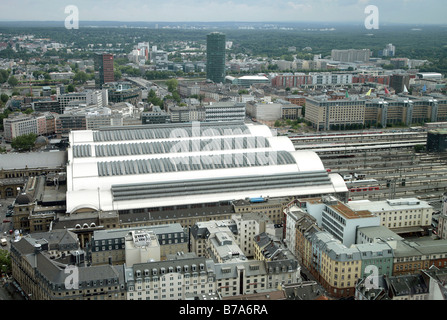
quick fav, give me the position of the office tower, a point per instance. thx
(215, 57)
(104, 67)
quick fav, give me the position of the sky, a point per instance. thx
(389, 11)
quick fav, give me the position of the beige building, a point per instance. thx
(325, 114)
(399, 215)
(141, 246)
(272, 208)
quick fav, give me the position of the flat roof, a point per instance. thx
(389, 205)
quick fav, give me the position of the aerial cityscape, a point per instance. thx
(250, 152)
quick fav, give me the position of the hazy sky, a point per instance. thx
(390, 11)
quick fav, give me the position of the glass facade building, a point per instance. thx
(215, 57)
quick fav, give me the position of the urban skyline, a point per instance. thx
(402, 11)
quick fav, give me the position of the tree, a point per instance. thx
(4, 97)
(117, 75)
(278, 124)
(172, 85)
(80, 77)
(24, 142)
(5, 261)
(70, 88)
(12, 81)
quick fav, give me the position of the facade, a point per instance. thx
(291, 80)
(247, 81)
(88, 98)
(155, 116)
(331, 79)
(111, 243)
(172, 279)
(47, 106)
(16, 168)
(202, 231)
(338, 218)
(442, 220)
(215, 57)
(187, 114)
(325, 114)
(225, 111)
(265, 111)
(399, 215)
(39, 263)
(15, 126)
(104, 67)
(351, 55)
(437, 140)
(118, 92)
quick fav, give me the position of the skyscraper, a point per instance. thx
(215, 57)
(104, 67)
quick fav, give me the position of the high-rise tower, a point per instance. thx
(215, 57)
(104, 67)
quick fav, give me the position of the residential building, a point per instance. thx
(155, 116)
(351, 55)
(18, 125)
(225, 111)
(289, 80)
(171, 279)
(399, 215)
(338, 218)
(201, 232)
(248, 226)
(247, 81)
(141, 246)
(441, 231)
(325, 114)
(40, 264)
(187, 114)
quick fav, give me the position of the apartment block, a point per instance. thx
(39, 266)
(337, 218)
(399, 215)
(325, 114)
(111, 243)
(171, 279)
(225, 111)
(15, 126)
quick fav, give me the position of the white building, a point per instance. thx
(248, 226)
(15, 126)
(181, 164)
(398, 215)
(292, 214)
(225, 111)
(141, 246)
(338, 219)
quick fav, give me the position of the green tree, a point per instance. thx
(12, 81)
(70, 88)
(24, 142)
(278, 124)
(4, 97)
(80, 77)
(4, 75)
(172, 85)
(5, 261)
